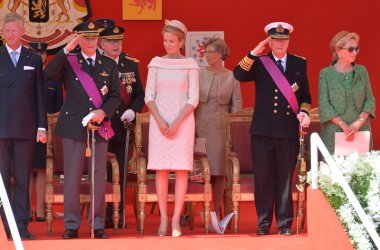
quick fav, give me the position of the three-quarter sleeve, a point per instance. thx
(150, 90)
(369, 102)
(236, 102)
(193, 91)
(325, 108)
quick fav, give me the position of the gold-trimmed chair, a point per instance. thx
(197, 191)
(54, 184)
(240, 179)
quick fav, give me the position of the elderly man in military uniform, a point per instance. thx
(282, 104)
(92, 96)
(104, 24)
(132, 101)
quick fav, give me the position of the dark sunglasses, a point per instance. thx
(351, 49)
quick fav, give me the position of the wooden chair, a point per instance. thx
(54, 185)
(197, 191)
(240, 179)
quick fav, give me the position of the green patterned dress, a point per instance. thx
(345, 95)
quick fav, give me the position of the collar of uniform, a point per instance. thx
(10, 50)
(284, 59)
(86, 56)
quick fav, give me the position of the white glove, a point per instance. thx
(87, 118)
(128, 115)
(304, 119)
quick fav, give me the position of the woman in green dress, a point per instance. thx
(345, 100)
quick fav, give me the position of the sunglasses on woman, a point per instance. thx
(351, 49)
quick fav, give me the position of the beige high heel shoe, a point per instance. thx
(176, 230)
(162, 233)
(162, 230)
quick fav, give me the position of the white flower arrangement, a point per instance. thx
(362, 173)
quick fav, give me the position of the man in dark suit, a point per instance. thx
(281, 108)
(92, 95)
(132, 101)
(22, 116)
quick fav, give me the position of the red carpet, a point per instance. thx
(129, 238)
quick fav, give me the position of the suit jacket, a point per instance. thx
(273, 116)
(228, 88)
(77, 103)
(54, 96)
(22, 95)
(129, 67)
(331, 102)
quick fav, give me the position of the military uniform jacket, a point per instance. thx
(54, 96)
(273, 116)
(77, 103)
(128, 70)
(22, 95)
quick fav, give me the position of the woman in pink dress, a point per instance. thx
(172, 94)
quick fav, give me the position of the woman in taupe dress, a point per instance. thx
(219, 93)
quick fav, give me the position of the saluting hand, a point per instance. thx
(73, 43)
(260, 47)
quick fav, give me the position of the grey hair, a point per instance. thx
(219, 44)
(13, 17)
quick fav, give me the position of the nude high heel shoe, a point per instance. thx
(176, 230)
(163, 229)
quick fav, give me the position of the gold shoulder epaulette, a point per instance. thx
(300, 57)
(132, 59)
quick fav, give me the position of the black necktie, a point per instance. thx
(279, 64)
(90, 64)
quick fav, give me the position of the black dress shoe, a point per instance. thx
(285, 231)
(262, 232)
(25, 235)
(100, 234)
(70, 234)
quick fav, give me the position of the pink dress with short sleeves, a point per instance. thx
(172, 83)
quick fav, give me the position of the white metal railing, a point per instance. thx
(315, 144)
(10, 217)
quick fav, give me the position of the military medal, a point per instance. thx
(127, 78)
(104, 90)
(295, 87)
(104, 74)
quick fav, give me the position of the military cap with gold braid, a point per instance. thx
(39, 47)
(90, 28)
(105, 23)
(279, 30)
(113, 33)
